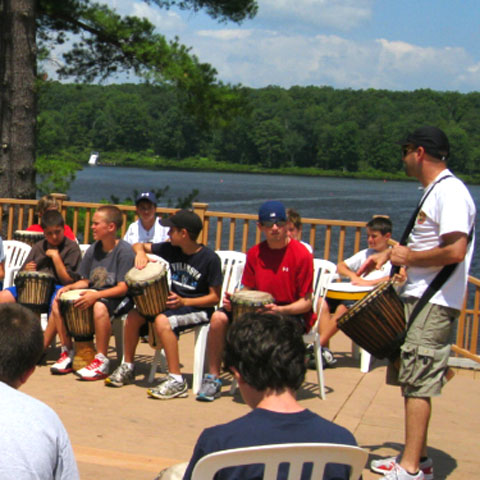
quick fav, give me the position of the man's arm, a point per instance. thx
(141, 250)
(299, 307)
(452, 249)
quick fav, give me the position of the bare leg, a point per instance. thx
(103, 328)
(49, 333)
(216, 341)
(130, 334)
(170, 343)
(59, 325)
(6, 297)
(417, 417)
(327, 325)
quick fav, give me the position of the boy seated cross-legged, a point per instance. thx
(196, 283)
(56, 255)
(102, 269)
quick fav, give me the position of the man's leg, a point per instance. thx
(417, 418)
(216, 341)
(170, 343)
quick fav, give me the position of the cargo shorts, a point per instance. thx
(425, 352)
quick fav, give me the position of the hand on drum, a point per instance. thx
(227, 304)
(31, 267)
(86, 299)
(174, 301)
(141, 260)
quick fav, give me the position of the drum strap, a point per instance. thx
(442, 276)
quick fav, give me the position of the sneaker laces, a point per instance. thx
(96, 363)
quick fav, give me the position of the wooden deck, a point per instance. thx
(123, 434)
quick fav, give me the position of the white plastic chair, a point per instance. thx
(296, 454)
(232, 269)
(15, 255)
(83, 247)
(323, 273)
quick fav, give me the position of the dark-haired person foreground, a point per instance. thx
(33, 441)
(266, 354)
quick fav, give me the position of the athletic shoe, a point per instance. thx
(97, 370)
(327, 357)
(385, 465)
(210, 389)
(399, 473)
(123, 375)
(63, 365)
(169, 388)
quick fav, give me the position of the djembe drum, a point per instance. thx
(34, 290)
(80, 325)
(30, 238)
(148, 288)
(377, 322)
(246, 301)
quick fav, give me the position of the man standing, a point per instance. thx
(441, 235)
(34, 443)
(280, 266)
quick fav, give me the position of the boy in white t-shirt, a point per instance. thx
(379, 232)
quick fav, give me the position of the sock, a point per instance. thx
(176, 377)
(129, 365)
(102, 357)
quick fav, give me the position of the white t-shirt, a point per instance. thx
(136, 233)
(34, 444)
(448, 208)
(357, 260)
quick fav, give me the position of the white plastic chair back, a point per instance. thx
(324, 272)
(232, 269)
(15, 255)
(83, 247)
(296, 454)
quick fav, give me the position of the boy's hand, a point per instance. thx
(141, 260)
(31, 267)
(52, 253)
(227, 304)
(86, 299)
(174, 301)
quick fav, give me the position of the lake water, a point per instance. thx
(315, 197)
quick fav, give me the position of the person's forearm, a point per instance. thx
(299, 307)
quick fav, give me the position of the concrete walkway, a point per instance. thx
(123, 434)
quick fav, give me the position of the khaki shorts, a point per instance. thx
(424, 355)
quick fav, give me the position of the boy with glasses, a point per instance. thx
(280, 266)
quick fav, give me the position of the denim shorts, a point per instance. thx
(425, 352)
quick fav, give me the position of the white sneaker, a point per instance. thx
(385, 465)
(64, 364)
(399, 473)
(97, 370)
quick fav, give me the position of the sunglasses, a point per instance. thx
(271, 223)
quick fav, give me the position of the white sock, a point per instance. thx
(102, 357)
(129, 365)
(178, 378)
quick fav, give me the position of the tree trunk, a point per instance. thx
(17, 98)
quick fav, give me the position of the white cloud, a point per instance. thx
(259, 57)
(339, 14)
(166, 21)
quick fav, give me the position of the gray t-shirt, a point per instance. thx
(106, 270)
(34, 444)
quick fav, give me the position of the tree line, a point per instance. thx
(272, 127)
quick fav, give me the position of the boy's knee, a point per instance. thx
(219, 319)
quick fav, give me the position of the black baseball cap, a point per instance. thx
(186, 219)
(432, 139)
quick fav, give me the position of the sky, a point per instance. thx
(356, 44)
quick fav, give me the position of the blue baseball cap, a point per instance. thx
(148, 196)
(272, 210)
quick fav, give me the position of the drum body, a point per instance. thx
(377, 322)
(148, 288)
(246, 301)
(34, 290)
(80, 325)
(25, 236)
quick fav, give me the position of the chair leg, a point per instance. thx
(319, 364)
(158, 358)
(233, 387)
(364, 361)
(201, 335)
(118, 323)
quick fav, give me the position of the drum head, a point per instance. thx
(74, 294)
(152, 271)
(28, 274)
(252, 297)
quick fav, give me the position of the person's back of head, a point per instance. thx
(112, 215)
(52, 218)
(47, 202)
(21, 342)
(380, 224)
(268, 351)
(294, 217)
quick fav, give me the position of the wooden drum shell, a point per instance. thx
(246, 301)
(34, 290)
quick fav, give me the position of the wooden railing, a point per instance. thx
(331, 239)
